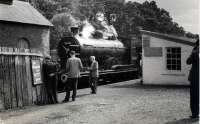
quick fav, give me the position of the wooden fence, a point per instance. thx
(16, 78)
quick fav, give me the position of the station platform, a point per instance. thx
(119, 103)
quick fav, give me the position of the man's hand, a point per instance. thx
(51, 75)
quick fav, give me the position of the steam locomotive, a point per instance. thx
(117, 59)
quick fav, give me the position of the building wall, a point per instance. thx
(154, 67)
(38, 36)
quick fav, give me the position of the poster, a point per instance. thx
(36, 69)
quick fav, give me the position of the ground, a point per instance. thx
(120, 103)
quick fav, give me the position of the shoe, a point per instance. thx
(194, 116)
(93, 92)
(73, 99)
(55, 102)
(65, 100)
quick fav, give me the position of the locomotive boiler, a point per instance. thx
(112, 55)
(107, 52)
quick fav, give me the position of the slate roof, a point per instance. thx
(168, 37)
(22, 12)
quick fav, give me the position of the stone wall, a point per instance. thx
(38, 36)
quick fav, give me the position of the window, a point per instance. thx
(173, 58)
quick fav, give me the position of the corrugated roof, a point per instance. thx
(173, 38)
(22, 12)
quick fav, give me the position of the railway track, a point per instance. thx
(105, 77)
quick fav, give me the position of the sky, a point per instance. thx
(184, 12)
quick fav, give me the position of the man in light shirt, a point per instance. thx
(73, 67)
(94, 74)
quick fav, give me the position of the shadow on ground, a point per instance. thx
(82, 95)
(184, 121)
(148, 86)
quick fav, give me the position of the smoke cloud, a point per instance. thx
(98, 28)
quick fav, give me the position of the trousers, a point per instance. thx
(194, 99)
(93, 84)
(52, 90)
(71, 85)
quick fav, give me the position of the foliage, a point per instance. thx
(88, 9)
(131, 16)
(58, 12)
(46, 7)
(62, 23)
(191, 35)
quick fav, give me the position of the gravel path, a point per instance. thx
(120, 103)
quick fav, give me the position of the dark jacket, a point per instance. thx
(49, 70)
(194, 60)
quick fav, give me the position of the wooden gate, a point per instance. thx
(16, 78)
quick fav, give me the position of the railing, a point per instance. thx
(18, 51)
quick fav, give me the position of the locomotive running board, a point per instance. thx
(108, 72)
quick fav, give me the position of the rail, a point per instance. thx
(83, 74)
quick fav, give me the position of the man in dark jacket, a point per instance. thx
(194, 80)
(50, 79)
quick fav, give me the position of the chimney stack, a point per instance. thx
(74, 30)
(9, 2)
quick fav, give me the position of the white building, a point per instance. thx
(164, 58)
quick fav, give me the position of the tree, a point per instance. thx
(191, 35)
(147, 15)
(130, 16)
(62, 23)
(48, 8)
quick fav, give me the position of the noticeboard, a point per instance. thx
(36, 69)
(153, 52)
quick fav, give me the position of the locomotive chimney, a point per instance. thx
(9, 2)
(74, 30)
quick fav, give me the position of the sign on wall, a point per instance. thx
(36, 68)
(153, 52)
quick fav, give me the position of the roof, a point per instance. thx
(22, 12)
(168, 37)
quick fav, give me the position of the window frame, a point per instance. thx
(176, 59)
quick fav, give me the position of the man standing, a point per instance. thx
(138, 63)
(50, 78)
(73, 67)
(194, 80)
(94, 74)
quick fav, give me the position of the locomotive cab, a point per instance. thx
(65, 45)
